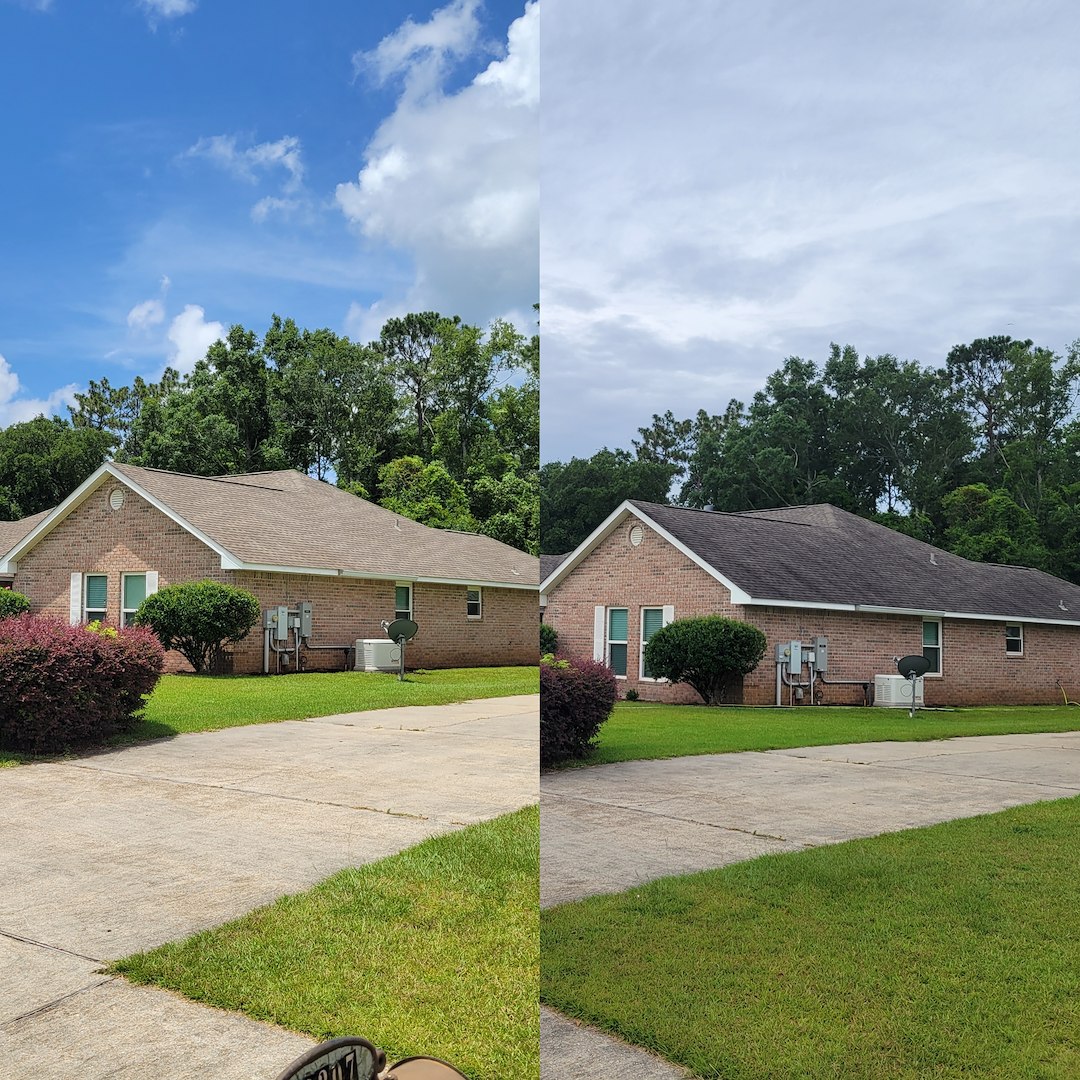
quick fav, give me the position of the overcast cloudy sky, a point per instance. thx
(172, 167)
(726, 185)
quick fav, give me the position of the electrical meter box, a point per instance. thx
(821, 653)
(281, 623)
(795, 659)
(305, 619)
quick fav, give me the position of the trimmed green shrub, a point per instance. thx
(549, 640)
(710, 653)
(13, 603)
(198, 618)
(66, 686)
(576, 697)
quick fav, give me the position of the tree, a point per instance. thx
(199, 618)
(711, 653)
(575, 497)
(425, 493)
(990, 526)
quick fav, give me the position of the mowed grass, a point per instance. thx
(952, 951)
(637, 730)
(186, 703)
(432, 951)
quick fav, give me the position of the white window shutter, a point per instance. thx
(669, 613)
(76, 598)
(151, 582)
(598, 633)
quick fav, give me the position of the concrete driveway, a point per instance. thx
(119, 852)
(611, 827)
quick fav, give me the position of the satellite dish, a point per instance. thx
(349, 1057)
(912, 666)
(401, 628)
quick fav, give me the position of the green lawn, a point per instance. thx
(183, 703)
(637, 730)
(952, 951)
(431, 951)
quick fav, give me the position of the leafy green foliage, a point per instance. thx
(711, 653)
(549, 639)
(577, 496)
(198, 618)
(13, 603)
(425, 493)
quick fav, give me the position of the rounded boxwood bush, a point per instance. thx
(549, 640)
(13, 603)
(711, 653)
(198, 618)
(576, 697)
(64, 686)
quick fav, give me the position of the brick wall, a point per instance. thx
(975, 666)
(138, 537)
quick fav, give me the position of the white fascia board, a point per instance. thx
(362, 575)
(925, 613)
(585, 547)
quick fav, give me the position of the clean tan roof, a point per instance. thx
(11, 532)
(287, 519)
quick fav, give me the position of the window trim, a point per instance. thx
(609, 640)
(397, 611)
(642, 643)
(940, 646)
(479, 601)
(1014, 654)
(100, 614)
(124, 611)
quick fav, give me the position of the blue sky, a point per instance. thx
(173, 167)
(725, 185)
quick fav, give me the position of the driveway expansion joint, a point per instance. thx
(52, 948)
(50, 1005)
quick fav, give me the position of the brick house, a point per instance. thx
(286, 538)
(992, 634)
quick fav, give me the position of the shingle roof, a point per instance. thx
(11, 532)
(824, 555)
(289, 520)
(549, 564)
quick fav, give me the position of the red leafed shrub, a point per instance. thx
(64, 686)
(576, 697)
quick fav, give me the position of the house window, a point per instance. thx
(134, 593)
(1014, 640)
(652, 619)
(402, 601)
(95, 596)
(617, 623)
(473, 603)
(931, 644)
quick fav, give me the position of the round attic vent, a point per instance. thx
(637, 534)
(116, 498)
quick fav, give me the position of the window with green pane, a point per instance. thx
(617, 627)
(652, 619)
(403, 602)
(931, 648)
(134, 593)
(96, 593)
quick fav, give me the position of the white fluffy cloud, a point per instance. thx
(254, 163)
(146, 315)
(15, 409)
(452, 179)
(190, 335)
(167, 9)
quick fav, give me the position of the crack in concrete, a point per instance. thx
(252, 791)
(52, 948)
(669, 817)
(41, 1009)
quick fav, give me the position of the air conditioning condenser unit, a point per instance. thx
(894, 691)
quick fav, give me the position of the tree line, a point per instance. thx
(437, 420)
(978, 456)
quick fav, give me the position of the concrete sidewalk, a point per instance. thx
(611, 827)
(122, 851)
